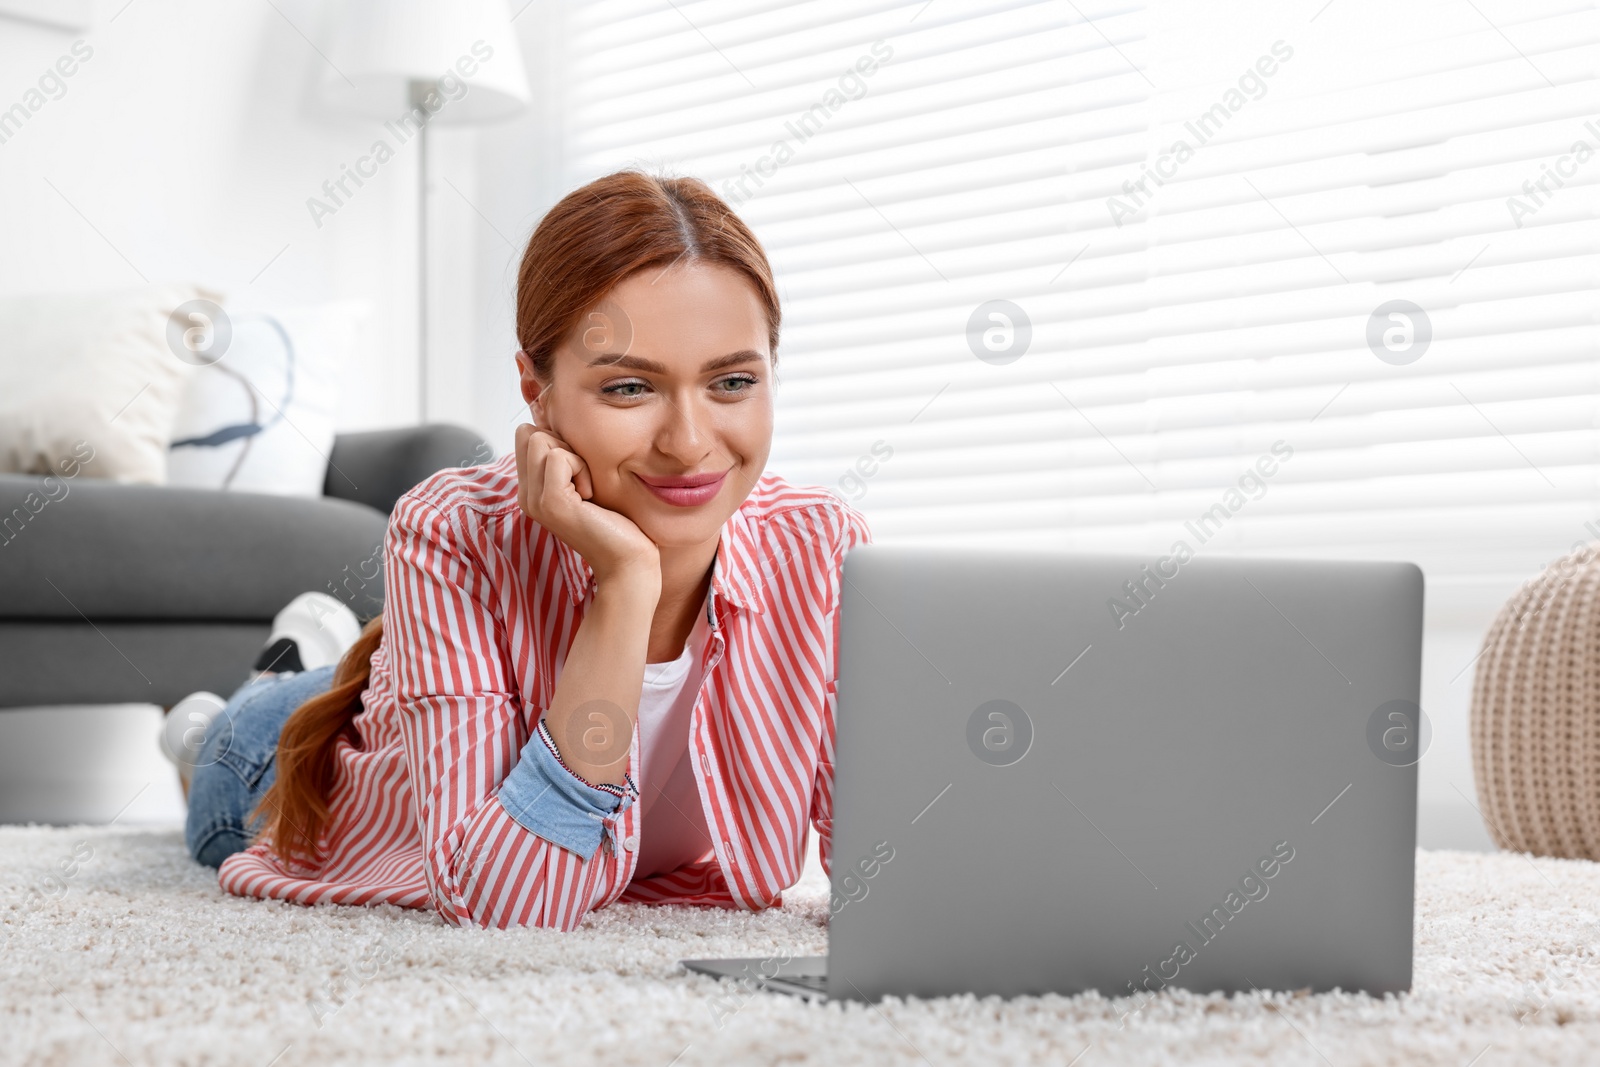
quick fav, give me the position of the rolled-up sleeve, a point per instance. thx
(548, 798)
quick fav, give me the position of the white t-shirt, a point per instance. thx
(672, 825)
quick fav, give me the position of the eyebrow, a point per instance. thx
(610, 359)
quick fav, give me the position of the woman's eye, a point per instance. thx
(741, 383)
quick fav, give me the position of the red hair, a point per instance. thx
(587, 244)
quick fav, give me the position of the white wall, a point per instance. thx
(191, 140)
(1447, 805)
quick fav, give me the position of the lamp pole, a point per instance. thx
(421, 89)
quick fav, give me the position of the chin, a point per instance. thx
(685, 529)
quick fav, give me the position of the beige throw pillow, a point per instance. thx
(92, 373)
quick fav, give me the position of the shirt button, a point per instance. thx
(631, 843)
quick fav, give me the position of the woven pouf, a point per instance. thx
(1536, 713)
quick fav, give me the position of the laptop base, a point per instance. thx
(800, 976)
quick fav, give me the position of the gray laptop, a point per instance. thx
(1059, 772)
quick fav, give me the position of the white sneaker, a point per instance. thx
(186, 728)
(312, 631)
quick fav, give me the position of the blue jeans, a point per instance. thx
(238, 761)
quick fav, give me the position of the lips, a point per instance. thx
(684, 481)
(686, 490)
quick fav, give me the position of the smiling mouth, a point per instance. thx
(684, 481)
(687, 490)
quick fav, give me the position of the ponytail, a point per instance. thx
(294, 810)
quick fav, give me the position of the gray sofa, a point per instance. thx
(116, 593)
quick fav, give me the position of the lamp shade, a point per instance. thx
(380, 47)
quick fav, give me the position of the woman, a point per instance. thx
(605, 665)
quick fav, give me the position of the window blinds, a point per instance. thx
(1079, 275)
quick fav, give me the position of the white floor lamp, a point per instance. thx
(414, 63)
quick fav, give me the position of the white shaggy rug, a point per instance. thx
(116, 949)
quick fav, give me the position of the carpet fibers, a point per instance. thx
(115, 948)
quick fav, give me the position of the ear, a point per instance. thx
(532, 390)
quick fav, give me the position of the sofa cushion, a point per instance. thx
(76, 548)
(93, 377)
(260, 417)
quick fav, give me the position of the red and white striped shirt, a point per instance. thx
(481, 605)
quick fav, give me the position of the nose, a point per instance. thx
(683, 433)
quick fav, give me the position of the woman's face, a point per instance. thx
(668, 378)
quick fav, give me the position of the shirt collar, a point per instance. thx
(735, 573)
